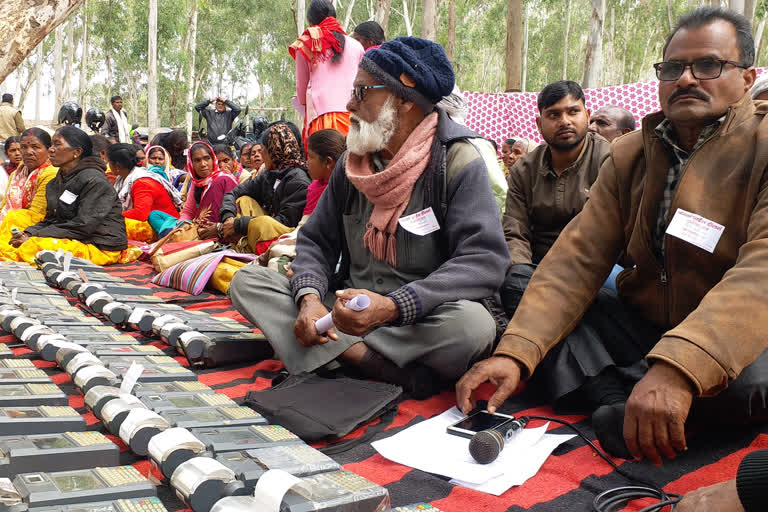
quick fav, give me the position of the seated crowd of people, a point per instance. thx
(616, 270)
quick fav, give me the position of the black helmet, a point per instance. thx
(70, 113)
(94, 118)
(259, 124)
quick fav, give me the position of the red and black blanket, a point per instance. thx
(568, 480)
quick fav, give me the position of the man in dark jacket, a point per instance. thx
(219, 120)
(411, 210)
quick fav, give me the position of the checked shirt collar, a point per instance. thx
(666, 133)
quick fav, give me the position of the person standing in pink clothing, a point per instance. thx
(326, 65)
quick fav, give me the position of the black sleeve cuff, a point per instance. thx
(408, 303)
(307, 280)
(241, 225)
(752, 481)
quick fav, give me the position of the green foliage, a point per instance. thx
(245, 42)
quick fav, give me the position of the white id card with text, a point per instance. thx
(420, 223)
(695, 229)
(68, 197)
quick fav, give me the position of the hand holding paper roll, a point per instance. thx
(381, 310)
(357, 303)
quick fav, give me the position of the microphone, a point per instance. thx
(356, 303)
(486, 445)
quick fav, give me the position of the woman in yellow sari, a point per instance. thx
(83, 214)
(24, 203)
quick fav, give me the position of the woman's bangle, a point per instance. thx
(219, 230)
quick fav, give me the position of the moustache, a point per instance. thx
(565, 130)
(688, 92)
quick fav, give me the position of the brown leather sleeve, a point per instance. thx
(569, 276)
(516, 224)
(726, 332)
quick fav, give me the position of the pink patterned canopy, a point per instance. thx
(501, 116)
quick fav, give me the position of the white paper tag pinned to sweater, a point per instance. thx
(68, 197)
(695, 229)
(420, 223)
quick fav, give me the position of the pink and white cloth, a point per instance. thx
(504, 115)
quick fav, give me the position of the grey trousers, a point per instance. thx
(448, 340)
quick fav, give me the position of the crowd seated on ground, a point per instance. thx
(141, 192)
(270, 204)
(83, 214)
(25, 200)
(587, 283)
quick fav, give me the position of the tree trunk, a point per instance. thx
(749, 9)
(451, 30)
(759, 39)
(428, 15)
(27, 26)
(108, 66)
(348, 16)
(737, 5)
(407, 19)
(83, 83)
(670, 19)
(524, 78)
(514, 45)
(192, 49)
(609, 52)
(594, 51)
(38, 82)
(57, 64)
(301, 15)
(565, 38)
(152, 67)
(70, 58)
(382, 12)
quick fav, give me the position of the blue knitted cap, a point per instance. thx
(422, 60)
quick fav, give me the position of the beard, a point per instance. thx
(365, 137)
(568, 145)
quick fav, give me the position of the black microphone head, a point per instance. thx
(485, 446)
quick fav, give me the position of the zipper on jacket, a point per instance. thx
(664, 265)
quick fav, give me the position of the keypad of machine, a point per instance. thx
(51, 411)
(88, 438)
(239, 413)
(141, 505)
(216, 399)
(275, 432)
(121, 475)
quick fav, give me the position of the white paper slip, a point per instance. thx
(271, 488)
(428, 447)
(420, 223)
(533, 457)
(68, 197)
(695, 229)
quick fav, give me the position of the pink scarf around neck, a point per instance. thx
(390, 190)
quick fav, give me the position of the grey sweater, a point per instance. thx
(466, 258)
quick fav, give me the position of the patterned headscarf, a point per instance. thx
(202, 182)
(165, 169)
(283, 148)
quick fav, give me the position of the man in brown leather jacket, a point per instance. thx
(685, 202)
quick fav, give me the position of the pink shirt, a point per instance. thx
(330, 83)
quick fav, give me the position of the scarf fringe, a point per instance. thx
(382, 245)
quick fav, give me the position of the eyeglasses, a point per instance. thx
(359, 92)
(701, 69)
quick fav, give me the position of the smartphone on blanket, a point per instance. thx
(477, 422)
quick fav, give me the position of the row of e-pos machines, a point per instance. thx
(215, 455)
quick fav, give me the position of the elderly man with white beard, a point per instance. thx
(408, 219)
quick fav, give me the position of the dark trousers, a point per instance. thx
(611, 335)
